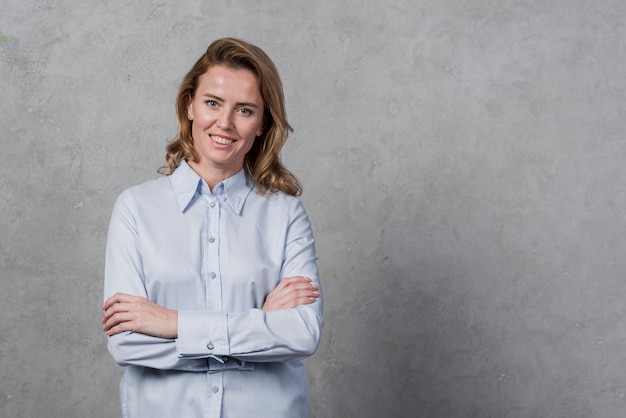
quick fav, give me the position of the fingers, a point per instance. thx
(290, 293)
(119, 302)
(117, 323)
(293, 302)
(295, 290)
(123, 312)
(298, 293)
(121, 327)
(119, 298)
(296, 283)
(117, 313)
(286, 281)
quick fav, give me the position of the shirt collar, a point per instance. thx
(187, 185)
(236, 189)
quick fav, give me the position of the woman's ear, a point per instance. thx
(190, 111)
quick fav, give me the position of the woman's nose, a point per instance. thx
(224, 121)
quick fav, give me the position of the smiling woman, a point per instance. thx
(227, 116)
(212, 296)
(262, 162)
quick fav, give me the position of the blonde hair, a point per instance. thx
(262, 163)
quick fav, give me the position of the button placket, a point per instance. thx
(215, 384)
(213, 284)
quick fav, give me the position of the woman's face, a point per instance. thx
(227, 115)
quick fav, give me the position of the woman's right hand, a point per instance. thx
(291, 292)
(123, 312)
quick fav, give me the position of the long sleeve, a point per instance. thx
(124, 272)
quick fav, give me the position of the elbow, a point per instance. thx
(131, 348)
(306, 346)
(311, 348)
(310, 340)
(313, 342)
(117, 350)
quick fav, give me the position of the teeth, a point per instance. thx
(221, 140)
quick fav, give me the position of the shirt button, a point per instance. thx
(211, 239)
(212, 275)
(212, 204)
(225, 359)
(210, 346)
(215, 389)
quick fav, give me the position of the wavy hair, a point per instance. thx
(262, 163)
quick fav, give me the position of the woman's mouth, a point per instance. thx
(220, 140)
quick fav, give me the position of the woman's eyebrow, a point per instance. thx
(219, 99)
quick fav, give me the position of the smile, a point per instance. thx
(220, 140)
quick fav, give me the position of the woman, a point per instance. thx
(212, 295)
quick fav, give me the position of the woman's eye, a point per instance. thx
(211, 103)
(245, 111)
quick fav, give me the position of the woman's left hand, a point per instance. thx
(123, 312)
(291, 292)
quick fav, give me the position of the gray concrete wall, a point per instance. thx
(463, 164)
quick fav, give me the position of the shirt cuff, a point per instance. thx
(202, 334)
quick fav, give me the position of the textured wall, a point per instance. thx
(463, 164)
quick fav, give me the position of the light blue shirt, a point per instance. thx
(214, 257)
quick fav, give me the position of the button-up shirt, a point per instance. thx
(213, 256)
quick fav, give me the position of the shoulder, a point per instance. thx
(277, 199)
(280, 207)
(150, 190)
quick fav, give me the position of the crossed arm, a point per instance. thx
(124, 312)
